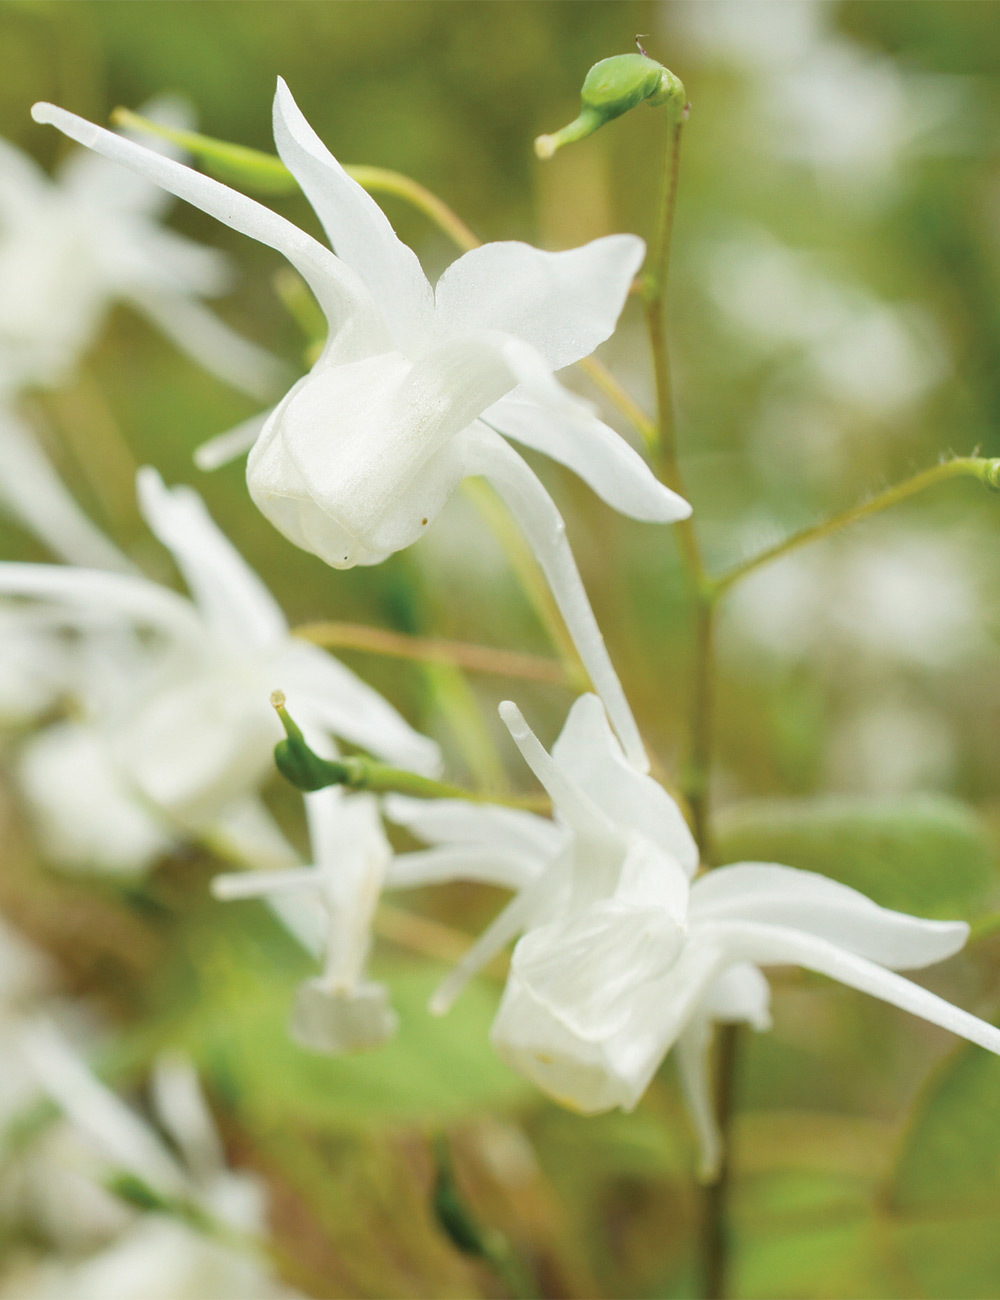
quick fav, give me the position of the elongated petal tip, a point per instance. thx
(545, 146)
(513, 719)
(44, 112)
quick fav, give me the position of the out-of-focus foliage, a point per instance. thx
(835, 324)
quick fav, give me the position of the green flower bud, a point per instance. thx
(296, 762)
(611, 88)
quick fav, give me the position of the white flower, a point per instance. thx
(341, 1010)
(622, 956)
(184, 719)
(416, 385)
(156, 1256)
(72, 245)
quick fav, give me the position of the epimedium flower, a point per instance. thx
(179, 720)
(419, 387)
(623, 954)
(340, 1010)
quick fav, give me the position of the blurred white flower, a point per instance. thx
(155, 1256)
(182, 720)
(72, 245)
(340, 1010)
(902, 597)
(832, 335)
(621, 955)
(416, 384)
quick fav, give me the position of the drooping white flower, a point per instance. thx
(155, 1255)
(416, 385)
(183, 720)
(340, 1010)
(622, 956)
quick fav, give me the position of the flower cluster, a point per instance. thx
(153, 722)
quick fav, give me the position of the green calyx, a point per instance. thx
(613, 87)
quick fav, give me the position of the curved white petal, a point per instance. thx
(32, 491)
(814, 904)
(562, 304)
(486, 865)
(90, 593)
(586, 445)
(770, 945)
(589, 752)
(183, 1112)
(340, 292)
(545, 531)
(235, 604)
(693, 1048)
(356, 226)
(363, 456)
(224, 447)
(459, 822)
(207, 339)
(334, 698)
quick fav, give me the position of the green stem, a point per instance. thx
(986, 470)
(715, 1240)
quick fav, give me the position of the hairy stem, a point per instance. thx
(986, 470)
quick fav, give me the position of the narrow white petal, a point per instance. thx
(562, 304)
(806, 901)
(693, 1048)
(334, 698)
(478, 862)
(233, 601)
(32, 491)
(207, 339)
(545, 531)
(103, 1118)
(225, 447)
(90, 594)
(340, 292)
(588, 750)
(183, 1111)
(259, 884)
(772, 945)
(590, 448)
(457, 821)
(356, 226)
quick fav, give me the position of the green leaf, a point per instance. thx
(943, 1196)
(436, 1070)
(925, 854)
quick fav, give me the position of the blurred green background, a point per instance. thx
(835, 325)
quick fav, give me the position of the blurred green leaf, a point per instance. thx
(942, 1199)
(924, 854)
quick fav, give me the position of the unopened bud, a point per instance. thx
(294, 759)
(611, 88)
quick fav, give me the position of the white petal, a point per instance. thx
(479, 862)
(234, 603)
(364, 455)
(35, 495)
(336, 1021)
(741, 995)
(340, 293)
(693, 1048)
(457, 821)
(183, 1111)
(587, 446)
(213, 344)
(97, 1113)
(589, 752)
(323, 691)
(806, 901)
(88, 593)
(225, 447)
(241, 885)
(545, 531)
(562, 304)
(24, 187)
(356, 226)
(769, 945)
